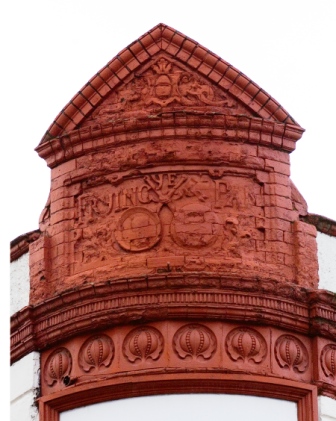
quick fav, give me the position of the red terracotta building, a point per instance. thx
(174, 254)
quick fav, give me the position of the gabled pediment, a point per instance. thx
(165, 85)
(165, 71)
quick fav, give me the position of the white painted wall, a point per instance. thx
(327, 409)
(326, 251)
(19, 283)
(24, 388)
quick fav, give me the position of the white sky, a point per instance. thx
(53, 47)
(195, 407)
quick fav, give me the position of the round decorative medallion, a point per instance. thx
(138, 229)
(291, 353)
(143, 343)
(195, 341)
(57, 366)
(195, 225)
(328, 360)
(246, 344)
(97, 351)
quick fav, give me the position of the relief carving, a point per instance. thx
(173, 186)
(188, 210)
(328, 360)
(291, 353)
(97, 351)
(142, 344)
(57, 366)
(91, 206)
(195, 225)
(96, 243)
(153, 190)
(234, 196)
(238, 237)
(138, 229)
(246, 344)
(195, 341)
(163, 84)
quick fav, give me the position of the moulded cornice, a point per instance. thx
(172, 297)
(322, 223)
(20, 245)
(179, 125)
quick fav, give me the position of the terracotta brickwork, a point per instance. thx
(172, 162)
(174, 249)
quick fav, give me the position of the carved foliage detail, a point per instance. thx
(97, 351)
(195, 341)
(328, 360)
(143, 343)
(291, 353)
(246, 344)
(58, 365)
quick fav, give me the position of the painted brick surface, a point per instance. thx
(326, 245)
(327, 409)
(25, 388)
(20, 283)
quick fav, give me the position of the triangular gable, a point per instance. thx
(194, 76)
(164, 85)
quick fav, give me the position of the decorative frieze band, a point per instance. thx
(173, 345)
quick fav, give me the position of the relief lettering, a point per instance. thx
(169, 209)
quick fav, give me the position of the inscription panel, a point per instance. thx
(194, 216)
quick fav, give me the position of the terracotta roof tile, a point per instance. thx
(139, 51)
